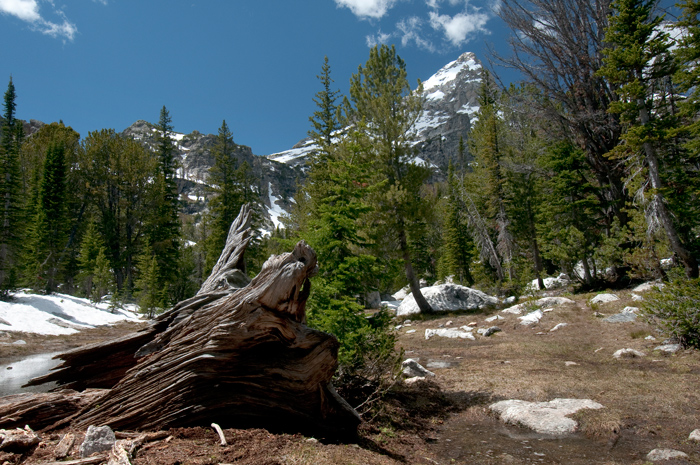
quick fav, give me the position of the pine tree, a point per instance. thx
(48, 234)
(228, 193)
(164, 224)
(326, 119)
(381, 96)
(90, 248)
(149, 290)
(638, 60)
(10, 195)
(457, 244)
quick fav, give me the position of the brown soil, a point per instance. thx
(652, 402)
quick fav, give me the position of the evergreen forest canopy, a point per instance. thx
(589, 167)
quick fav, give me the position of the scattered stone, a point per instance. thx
(543, 302)
(543, 417)
(414, 380)
(18, 440)
(547, 310)
(634, 310)
(695, 435)
(598, 314)
(448, 323)
(20, 342)
(658, 455)
(411, 368)
(604, 298)
(571, 364)
(650, 338)
(452, 333)
(637, 297)
(448, 298)
(558, 326)
(64, 446)
(473, 324)
(623, 317)
(669, 349)
(97, 439)
(494, 318)
(509, 300)
(531, 318)
(312, 440)
(648, 286)
(410, 331)
(492, 330)
(628, 353)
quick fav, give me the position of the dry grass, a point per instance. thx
(654, 397)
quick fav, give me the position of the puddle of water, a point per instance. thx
(14, 375)
(490, 441)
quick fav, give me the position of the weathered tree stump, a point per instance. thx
(238, 357)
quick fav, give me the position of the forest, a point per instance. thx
(589, 167)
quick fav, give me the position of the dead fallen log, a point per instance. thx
(40, 410)
(239, 357)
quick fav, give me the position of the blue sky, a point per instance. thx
(106, 63)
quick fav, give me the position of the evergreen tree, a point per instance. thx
(10, 199)
(457, 244)
(90, 248)
(228, 193)
(164, 224)
(48, 236)
(326, 119)
(149, 291)
(637, 59)
(382, 98)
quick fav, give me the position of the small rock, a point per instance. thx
(657, 455)
(410, 331)
(493, 318)
(669, 349)
(695, 435)
(547, 310)
(650, 338)
(628, 353)
(570, 364)
(648, 286)
(312, 440)
(604, 298)
(559, 326)
(448, 323)
(531, 318)
(97, 439)
(411, 368)
(624, 317)
(544, 417)
(414, 380)
(509, 300)
(637, 297)
(630, 310)
(491, 330)
(452, 333)
(472, 324)
(20, 342)
(18, 440)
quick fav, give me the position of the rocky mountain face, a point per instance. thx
(451, 100)
(275, 181)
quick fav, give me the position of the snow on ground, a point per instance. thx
(275, 210)
(58, 314)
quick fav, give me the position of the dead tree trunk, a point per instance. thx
(235, 356)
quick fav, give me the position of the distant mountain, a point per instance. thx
(451, 101)
(275, 181)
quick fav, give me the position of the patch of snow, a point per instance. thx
(275, 210)
(40, 314)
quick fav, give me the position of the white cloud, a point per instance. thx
(367, 8)
(378, 38)
(28, 10)
(410, 30)
(458, 28)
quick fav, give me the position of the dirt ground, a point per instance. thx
(650, 402)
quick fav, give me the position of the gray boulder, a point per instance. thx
(695, 435)
(658, 455)
(543, 417)
(97, 439)
(628, 353)
(448, 298)
(669, 349)
(411, 369)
